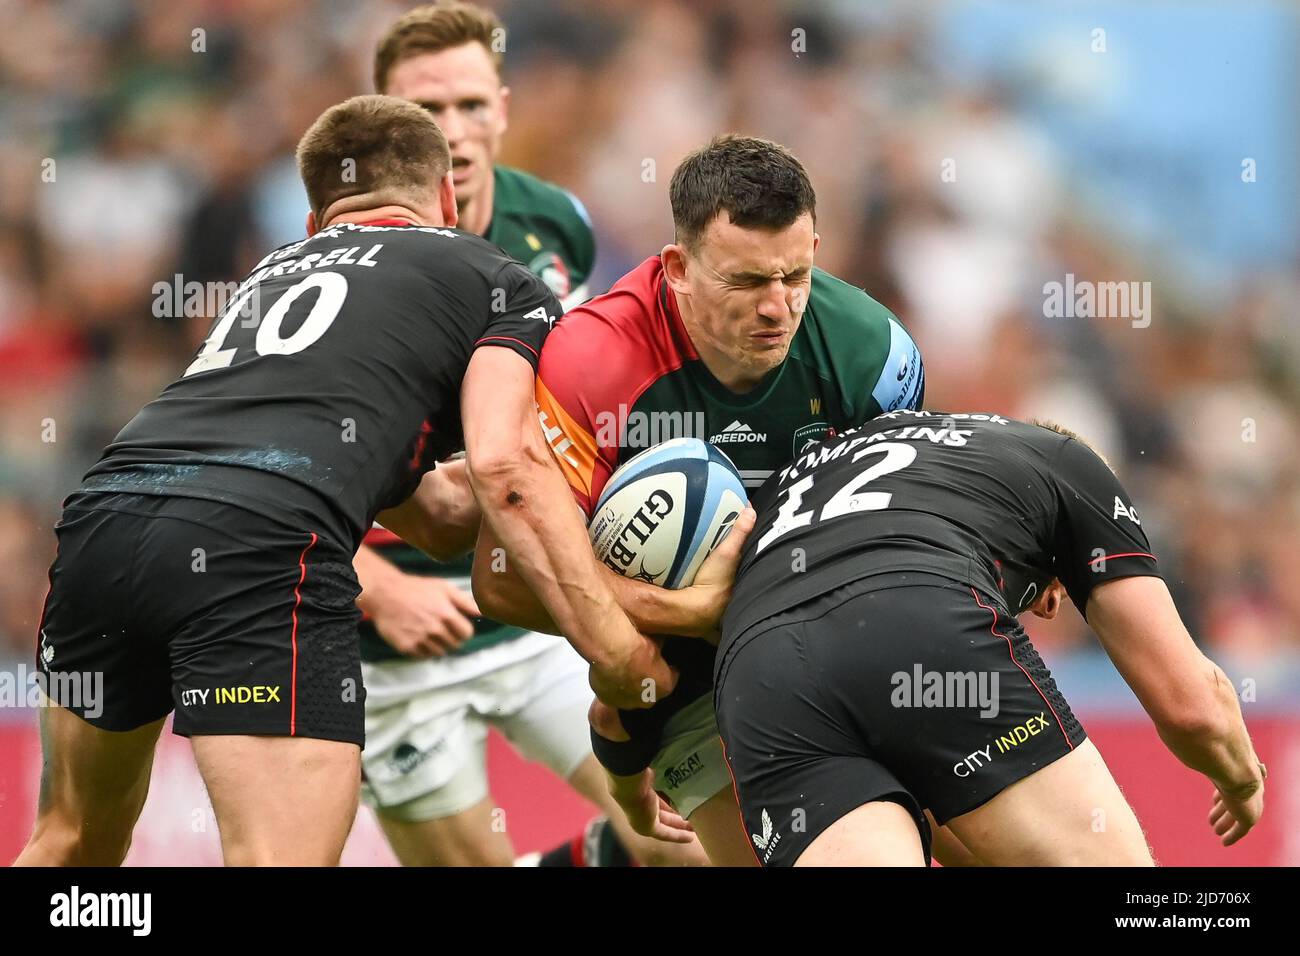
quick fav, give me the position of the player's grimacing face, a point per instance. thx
(749, 288)
(460, 88)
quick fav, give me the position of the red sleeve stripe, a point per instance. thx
(1126, 554)
(505, 338)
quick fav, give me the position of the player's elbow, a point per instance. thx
(1187, 725)
(1204, 708)
(497, 473)
(487, 590)
(493, 592)
(441, 549)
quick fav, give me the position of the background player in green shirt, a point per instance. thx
(437, 674)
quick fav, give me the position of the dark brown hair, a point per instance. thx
(435, 27)
(372, 144)
(759, 183)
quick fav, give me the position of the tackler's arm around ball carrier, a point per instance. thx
(693, 611)
(523, 497)
(442, 516)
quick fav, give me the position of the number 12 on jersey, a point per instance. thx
(846, 500)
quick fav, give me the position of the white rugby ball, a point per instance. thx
(663, 511)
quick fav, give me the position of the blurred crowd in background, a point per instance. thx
(134, 149)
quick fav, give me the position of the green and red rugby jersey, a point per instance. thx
(619, 374)
(547, 229)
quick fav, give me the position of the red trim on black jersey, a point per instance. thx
(505, 338)
(578, 848)
(735, 792)
(1126, 554)
(383, 222)
(293, 637)
(1011, 652)
(421, 441)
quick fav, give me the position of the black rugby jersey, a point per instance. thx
(999, 505)
(331, 382)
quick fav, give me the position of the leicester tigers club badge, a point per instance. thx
(552, 270)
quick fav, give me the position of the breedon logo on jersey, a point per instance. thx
(737, 432)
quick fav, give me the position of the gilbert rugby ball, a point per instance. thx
(663, 511)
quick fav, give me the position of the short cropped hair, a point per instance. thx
(760, 185)
(372, 144)
(435, 27)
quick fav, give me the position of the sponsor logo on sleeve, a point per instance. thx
(899, 385)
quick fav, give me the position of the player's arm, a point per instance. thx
(1105, 562)
(417, 615)
(1188, 697)
(569, 397)
(441, 517)
(630, 778)
(525, 501)
(688, 612)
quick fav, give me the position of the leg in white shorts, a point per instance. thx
(427, 721)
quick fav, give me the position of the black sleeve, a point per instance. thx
(1098, 535)
(523, 311)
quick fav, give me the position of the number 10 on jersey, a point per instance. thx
(333, 290)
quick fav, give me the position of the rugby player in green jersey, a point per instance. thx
(437, 673)
(732, 336)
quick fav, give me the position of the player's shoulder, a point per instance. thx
(1026, 447)
(440, 248)
(844, 307)
(519, 193)
(615, 342)
(851, 339)
(623, 320)
(387, 251)
(843, 321)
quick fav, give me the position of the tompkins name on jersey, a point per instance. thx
(947, 431)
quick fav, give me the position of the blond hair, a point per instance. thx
(435, 27)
